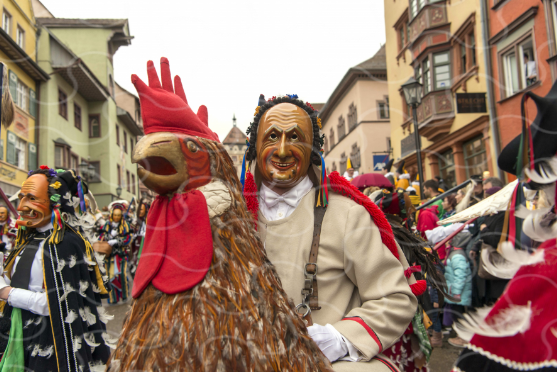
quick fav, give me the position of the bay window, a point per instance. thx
(441, 71)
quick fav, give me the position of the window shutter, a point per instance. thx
(32, 156)
(10, 148)
(1, 149)
(32, 103)
(13, 86)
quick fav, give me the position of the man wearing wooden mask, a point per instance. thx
(342, 268)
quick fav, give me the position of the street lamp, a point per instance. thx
(86, 170)
(83, 169)
(119, 191)
(413, 94)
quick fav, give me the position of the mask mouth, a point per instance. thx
(157, 165)
(283, 165)
(29, 215)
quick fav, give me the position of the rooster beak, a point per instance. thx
(161, 164)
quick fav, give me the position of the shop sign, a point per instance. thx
(471, 103)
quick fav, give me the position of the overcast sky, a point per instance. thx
(227, 52)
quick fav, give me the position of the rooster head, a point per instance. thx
(170, 156)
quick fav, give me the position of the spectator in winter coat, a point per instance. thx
(458, 275)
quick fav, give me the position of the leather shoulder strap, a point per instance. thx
(311, 267)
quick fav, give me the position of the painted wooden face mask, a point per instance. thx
(3, 214)
(284, 144)
(34, 204)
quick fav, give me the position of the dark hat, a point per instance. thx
(391, 202)
(477, 177)
(261, 101)
(492, 190)
(544, 135)
(389, 165)
(71, 184)
(400, 169)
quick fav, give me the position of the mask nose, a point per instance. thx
(284, 147)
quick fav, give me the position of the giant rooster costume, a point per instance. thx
(205, 296)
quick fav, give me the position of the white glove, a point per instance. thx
(3, 283)
(114, 232)
(112, 242)
(329, 340)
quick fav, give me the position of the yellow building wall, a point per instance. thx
(22, 15)
(398, 72)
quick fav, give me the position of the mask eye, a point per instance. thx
(294, 137)
(192, 146)
(273, 137)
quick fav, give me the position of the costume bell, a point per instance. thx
(117, 233)
(52, 282)
(352, 285)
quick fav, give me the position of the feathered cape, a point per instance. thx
(533, 345)
(73, 337)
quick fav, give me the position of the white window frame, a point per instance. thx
(508, 69)
(20, 36)
(20, 151)
(22, 96)
(6, 21)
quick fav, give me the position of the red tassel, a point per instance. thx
(341, 186)
(250, 195)
(411, 270)
(419, 287)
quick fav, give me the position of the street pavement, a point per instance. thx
(442, 360)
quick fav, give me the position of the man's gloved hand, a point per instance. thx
(114, 232)
(111, 242)
(329, 340)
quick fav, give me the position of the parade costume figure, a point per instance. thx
(206, 297)
(53, 283)
(402, 177)
(353, 270)
(412, 351)
(118, 235)
(8, 231)
(139, 227)
(518, 332)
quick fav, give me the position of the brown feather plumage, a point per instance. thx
(237, 319)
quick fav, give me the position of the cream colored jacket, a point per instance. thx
(362, 289)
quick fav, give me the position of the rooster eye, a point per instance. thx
(192, 146)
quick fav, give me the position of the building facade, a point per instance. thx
(355, 118)
(522, 41)
(19, 143)
(86, 116)
(439, 43)
(235, 144)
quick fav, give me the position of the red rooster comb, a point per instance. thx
(164, 110)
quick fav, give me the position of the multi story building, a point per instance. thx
(235, 144)
(18, 144)
(355, 118)
(86, 116)
(522, 41)
(440, 44)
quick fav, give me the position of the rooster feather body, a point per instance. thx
(238, 317)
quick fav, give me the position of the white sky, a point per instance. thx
(227, 52)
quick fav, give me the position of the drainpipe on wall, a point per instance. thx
(37, 97)
(489, 84)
